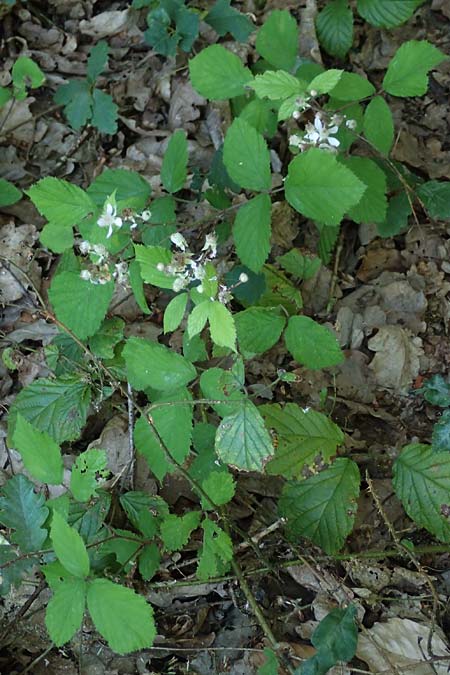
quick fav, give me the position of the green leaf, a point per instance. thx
(60, 202)
(441, 433)
(58, 407)
(110, 333)
(421, 481)
(160, 34)
(277, 40)
(150, 364)
(252, 231)
(325, 82)
(149, 561)
(218, 74)
(436, 198)
(259, 114)
(321, 188)
(216, 552)
(5, 96)
(301, 266)
(436, 391)
(83, 480)
(322, 508)
(242, 439)
(387, 13)
(26, 73)
(174, 425)
(306, 438)
(149, 257)
(379, 125)
(104, 112)
(76, 98)
(226, 19)
(373, 205)
(69, 547)
(271, 664)
(407, 74)
(41, 455)
(398, 210)
(13, 567)
(65, 610)
(121, 616)
(335, 639)
(220, 487)
(276, 84)
(197, 319)
(221, 325)
(56, 238)
(80, 305)
(174, 313)
(352, 87)
(97, 60)
(23, 511)
(131, 190)
(176, 531)
(246, 156)
(334, 26)
(174, 166)
(258, 329)
(311, 344)
(279, 291)
(217, 385)
(9, 194)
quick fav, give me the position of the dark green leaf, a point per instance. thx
(76, 98)
(226, 19)
(387, 13)
(23, 511)
(131, 190)
(335, 28)
(441, 433)
(104, 112)
(174, 166)
(97, 60)
(436, 198)
(9, 194)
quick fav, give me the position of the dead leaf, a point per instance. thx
(396, 362)
(107, 23)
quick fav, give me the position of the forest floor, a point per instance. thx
(389, 304)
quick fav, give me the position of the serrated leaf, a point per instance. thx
(104, 112)
(246, 156)
(421, 481)
(97, 60)
(311, 344)
(325, 82)
(407, 73)
(372, 207)
(258, 329)
(379, 125)
(218, 74)
(334, 26)
(23, 511)
(226, 19)
(149, 257)
(216, 552)
(136, 503)
(436, 198)
(398, 210)
(220, 488)
(301, 266)
(174, 313)
(58, 407)
(176, 530)
(441, 433)
(76, 97)
(217, 385)
(78, 304)
(41, 455)
(387, 13)
(60, 202)
(174, 166)
(221, 325)
(9, 194)
(277, 40)
(242, 439)
(83, 479)
(121, 616)
(64, 613)
(252, 231)
(323, 507)
(436, 391)
(320, 188)
(150, 364)
(306, 438)
(110, 333)
(69, 547)
(174, 425)
(131, 190)
(352, 87)
(197, 319)
(276, 84)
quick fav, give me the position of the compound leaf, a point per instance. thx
(76, 98)
(104, 112)
(216, 552)
(97, 60)
(226, 19)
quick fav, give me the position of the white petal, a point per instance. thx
(334, 142)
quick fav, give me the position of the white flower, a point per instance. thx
(178, 240)
(243, 278)
(146, 215)
(100, 251)
(86, 275)
(109, 219)
(295, 140)
(351, 124)
(211, 244)
(84, 247)
(319, 134)
(179, 284)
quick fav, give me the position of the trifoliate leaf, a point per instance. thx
(174, 166)
(226, 19)
(88, 466)
(150, 364)
(41, 455)
(422, 483)
(69, 547)
(9, 194)
(277, 40)
(174, 312)
(323, 507)
(176, 530)
(311, 344)
(379, 125)
(242, 439)
(217, 74)
(252, 231)
(387, 13)
(64, 613)
(97, 60)
(334, 26)
(23, 511)
(407, 73)
(373, 204)
(131, 190)
(258, 329)
(321, 188)
(246, 156)
(121, 616)
(80, 305)
(76, 97)
(220, 488)
(276, 84)
(104, 112)
(216, 552)
(306, 439)
(436, 198)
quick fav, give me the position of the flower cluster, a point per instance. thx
(100, 271)
(321, 133)
(112, 221)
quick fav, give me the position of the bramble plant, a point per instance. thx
(229, 307)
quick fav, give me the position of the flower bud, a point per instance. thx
(243, 278)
